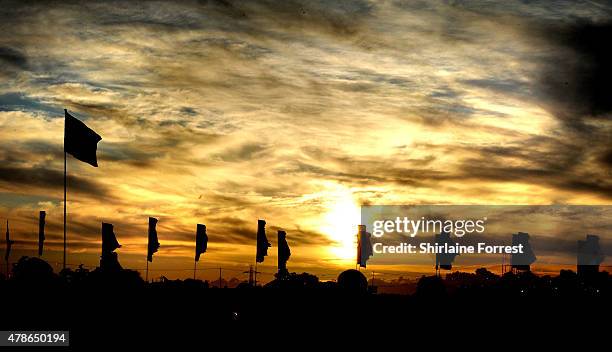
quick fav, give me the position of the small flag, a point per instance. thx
(201, 241)
(522, 261)
(364, 246)
(153, 242)
(444, 260)
(109, 241)
(284, 252)
(262, 241)
(41, 231)
(80, 141)
(9, 243)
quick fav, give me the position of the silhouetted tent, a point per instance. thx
(444, 260)
(9, 243)
(33, 271)
(589, 256)
(201, 241)
(364, 246)
(353, 281)
(262, 241)
(153, 244)
(41, 231)
(283, 254)
(522, 261)
(109, 260)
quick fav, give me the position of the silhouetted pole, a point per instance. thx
(255, 275)
(65, 182)
(195, 263)
(147, 273)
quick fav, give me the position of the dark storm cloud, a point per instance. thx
(48, 179)
(577, 79)
(129, 153)
(10, 56)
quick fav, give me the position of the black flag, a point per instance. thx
(201, 241)
(522, 261)
(109, 241)
(364, 246)
(153, 242)
(9, 243)
(283, 253)
(80, 141)
(262, 241)
(109, 260)
(444, 260)
(41, 232)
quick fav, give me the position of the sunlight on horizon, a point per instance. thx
(340, 224)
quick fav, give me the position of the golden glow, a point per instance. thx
(340, 224)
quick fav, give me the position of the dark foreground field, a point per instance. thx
(111, 309)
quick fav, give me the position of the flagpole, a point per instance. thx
(64, 262)
(147, 272)
(195, 263)
(255, 281)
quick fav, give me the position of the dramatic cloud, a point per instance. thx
(223, 112)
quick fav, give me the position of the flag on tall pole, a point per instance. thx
(201, 241)
(284, 252)
(364, 246)
(9, 244)
(108, 259)
(262, 242)
(153, 245)
(444, 260)
(81, 142)
(201, 246)
(41, 232)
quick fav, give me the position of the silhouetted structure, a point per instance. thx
(262, 242)
(283, 254)
(9, 244)
(522, 261)
(444, 260)
(201, 241)
(153, 244)
(364, 246)
(589, 256)
(353, 281)
(33, 271)
(108, 259)
(81, 142)
(41, 232)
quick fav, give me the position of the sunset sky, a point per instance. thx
(296, 112)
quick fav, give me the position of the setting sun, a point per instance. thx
(340, 224)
